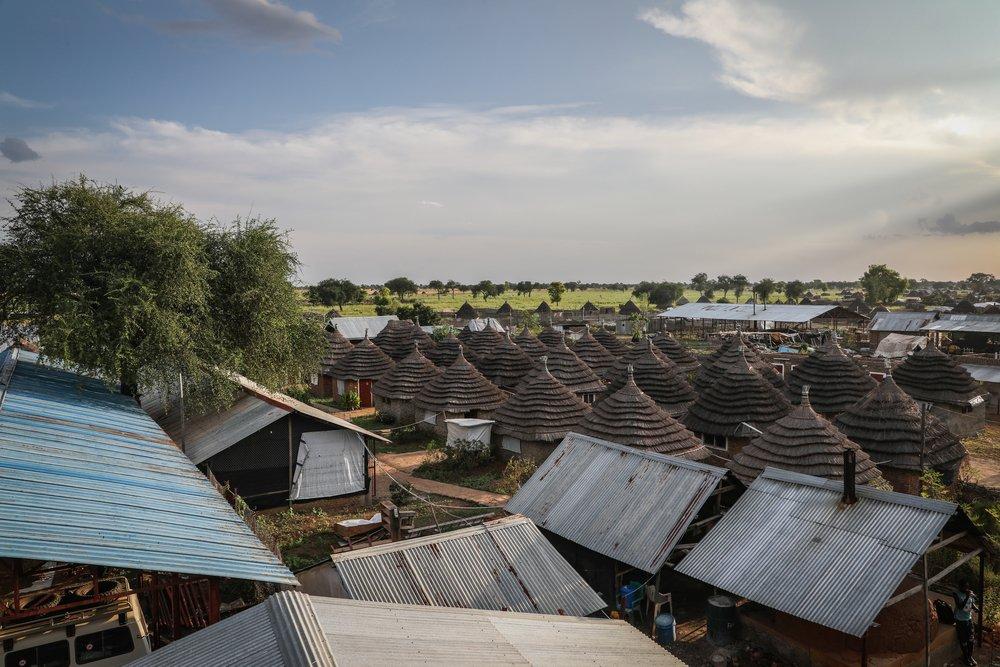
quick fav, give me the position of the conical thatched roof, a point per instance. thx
(681, 301)
(528, 342)
(460, 388)
(610, 342)
(543, 410)
(365, 361)
(733, 348)
(506, 365)
(505, 309)
(398, 336)
(740, 394)
(835, 381)
(655, 374)
(408, 377)
(336, 347)
(589, 307)
(932, 375)
(566, 367)
(444, 353)
(964, 307)
(676, 352)
(482, 343)
(629, 308)
(467, 312)
(594, 355)
(886, 423)
(803, 441)
(703, 299)
(551, 336)
(630, 417)
(543, 307)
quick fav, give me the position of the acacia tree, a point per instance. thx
(794, 289)
(451, 286)
(724, 283)
(664, 295)
(138, 291)
(438, 288)
(882, 284)
(764, 288)
(740, 284)
(401, 286)
(332, 291)
(556, 291)
(699, 282)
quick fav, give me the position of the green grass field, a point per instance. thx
(570, 300)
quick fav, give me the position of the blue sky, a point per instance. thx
(571, 140)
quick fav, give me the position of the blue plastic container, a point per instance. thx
(631, 594)
(666, 629)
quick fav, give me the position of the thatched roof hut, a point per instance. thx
(739, 395)
(681, 301)
(551, 336)
(458, 390)
(528, 342)
(506, 310)
(482, 343)
(655, 374)
(507, 364)
(964, 307)
(590, 309)
(336, 347)
(610, 342)
(802, 441)
(727, 353)
(887, 425)
(594, 354)
(703, 299)
(566, 367)
(933, 376)
(543, 308)
(446, 350)
(364, 361)
(543, 411)
(676, 352)
(630, 417)
(467, 312)
(407, 378)
(835, 380)
(629, 308)
(398, 337)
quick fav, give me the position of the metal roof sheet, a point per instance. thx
(747, 312)
(788, 543)
(327, 631)
(505, 564)
(964, 322)
(89, 478)
(480, 324)
(983, 373)
(900, 322)
(630, 505)
(354, 328)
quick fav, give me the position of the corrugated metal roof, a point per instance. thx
(89, 478)
(354, 328)
(983, 373)
(747, 312)
(965, 322)
(483, 323)
(900, 322)
(619, 501)
(788, 543)
(329, 631)
(505, 564)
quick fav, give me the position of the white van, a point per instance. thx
(108, 634)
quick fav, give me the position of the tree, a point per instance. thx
(115, 282)
(979, 282)
(382, 298)
(794, 289)
(524, 287)
(882, 284)
(401, 286)
(573, 285)
(556, 291)
(699, 282)
(486, 288)
(664, 295)
(332, 292)
(709, 289)
(438, 288)
(817, 284)
(740, 284)
(764, 288)
(724, 283)
(418, 312)
(451, 286)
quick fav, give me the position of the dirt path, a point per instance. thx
(986, 471)
(401, 466)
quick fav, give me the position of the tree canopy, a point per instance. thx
(882, 284)
(401, 286)
(338, 292)
(556, 291)
(139, 291)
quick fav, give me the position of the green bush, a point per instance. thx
(350, 400)
(516, 473)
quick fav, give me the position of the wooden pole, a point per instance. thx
(979, 595)
(291, 462)
(927, 618)
(213, 600)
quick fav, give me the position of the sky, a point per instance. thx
(544, 140)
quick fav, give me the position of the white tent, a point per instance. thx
(897, 345)
(330, 463)
(473, 430)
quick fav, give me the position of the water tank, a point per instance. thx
(721, 614)
(666, 629)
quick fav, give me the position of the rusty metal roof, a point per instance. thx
(89, 478)
(628, 504)
(748, 312)
(505, 564)
(901, 321)
(790, 544)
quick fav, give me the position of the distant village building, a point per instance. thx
(589, 310)
(544, 311)
(397, 339)
(888, 322)
(460, 391)
(358, 370)
(887, 425)
(629, 308)
(932, 376)
(657, 376)
(394, 391)
(357, 328)
(466, 312)
(835, 381)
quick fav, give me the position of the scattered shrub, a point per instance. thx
(515, 474)
(399, 494)
(350, 400)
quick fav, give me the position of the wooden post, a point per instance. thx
(154, 608)
(175, 607)
(927, 618)
(213, 600)
(291, 461)
(979, 595)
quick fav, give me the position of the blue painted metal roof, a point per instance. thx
(87, 477)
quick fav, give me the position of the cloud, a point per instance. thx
(11, 100)
(949, 225)
(259, 21)
(431, 204)
(755, 43)
(17, 150)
